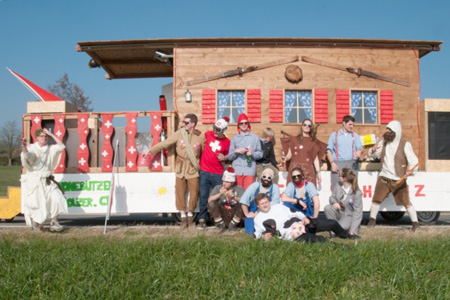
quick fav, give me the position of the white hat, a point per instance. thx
(222, 124)
(268, 171)
(229, 175)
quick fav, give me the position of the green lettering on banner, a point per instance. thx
(79, 202)
(90, 186)
(104, 200)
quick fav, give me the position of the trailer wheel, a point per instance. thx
(428, 216)
(177, 217)
(392, 215)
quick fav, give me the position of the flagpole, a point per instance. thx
(111, 194)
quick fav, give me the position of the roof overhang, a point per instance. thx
(139, 59)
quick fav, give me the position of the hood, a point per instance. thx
(241, 118)
(396, 127)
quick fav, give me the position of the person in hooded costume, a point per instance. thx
(397, 159)
(43, 198)
(245, 150)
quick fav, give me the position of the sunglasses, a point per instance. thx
(267, 177)
(186, 123)
(297, 176)
(243, 123)
(307, 125)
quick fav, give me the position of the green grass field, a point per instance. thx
(9, 176)
(130, 266)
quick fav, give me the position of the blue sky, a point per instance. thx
(37, 38)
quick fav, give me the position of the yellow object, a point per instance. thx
(10, 205)
(369, 139)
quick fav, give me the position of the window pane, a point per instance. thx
(292, 117)
(238, 98)
(357, 114)
(370, 116)
(356, 99)
(297, 106)
(370, 99)
(304, 114)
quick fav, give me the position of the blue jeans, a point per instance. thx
(207, 182)
(249, 223)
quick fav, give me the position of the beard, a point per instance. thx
(389, 136)
(266, 183)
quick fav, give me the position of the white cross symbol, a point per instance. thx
(108, 124)
(105, 153)
(157, 127)
(133, 120)
(82, 120)
(82, 161)
(58, 133)
(36, 120)
(82, 146)
(156, 164)
(130, 164)
(61, 120)
(131, 150)
(107, 136)
(215, 146)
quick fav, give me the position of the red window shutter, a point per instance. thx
(208, 106)
(254, 106)
(342, 104)
(321, 106)
(386, 106)
(276, 106)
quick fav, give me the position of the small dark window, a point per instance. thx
(438, 135)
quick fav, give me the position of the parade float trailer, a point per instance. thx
(277, 82)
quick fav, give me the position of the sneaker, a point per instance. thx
(415, 226)
(56, 227)
(354, 237)
(372, 223)
(332, 235)
(36, 227)
(184, 223)
(201, 224)
(232, 226)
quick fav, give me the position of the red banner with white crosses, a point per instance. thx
(35, 125)
(131, 151)
(83, 149)
(155, 129)
(60, 132)
(107, 150)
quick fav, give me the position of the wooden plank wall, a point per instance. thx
(193, 63)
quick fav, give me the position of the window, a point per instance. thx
(231, 104)
(438, 141)
(364, 107)
(297, 106)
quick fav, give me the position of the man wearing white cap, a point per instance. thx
(223, 202)
(266, 186)
(215, 153)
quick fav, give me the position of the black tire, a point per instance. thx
(428, 216)
(9, 220)
(392, 215)
(177, 217)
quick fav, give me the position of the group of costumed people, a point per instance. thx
(248, 191)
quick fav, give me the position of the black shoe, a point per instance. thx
(220, 225)
(354, 237)
(233, 227)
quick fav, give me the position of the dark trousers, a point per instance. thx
(207, 182)
(216, 210)
(328, 225)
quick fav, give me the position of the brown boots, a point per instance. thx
(187, 222)
(415, 226)
(372, 223)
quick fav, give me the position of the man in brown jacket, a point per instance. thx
(189, 143)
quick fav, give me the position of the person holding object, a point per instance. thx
(397, 159)
(214, 155)
(189, 143)
(304, 151)
(344, 148)
(346, 205)
(223, 202)
(43, 196)
(245, 149)
(268, 159)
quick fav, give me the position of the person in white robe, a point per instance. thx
(42, 198)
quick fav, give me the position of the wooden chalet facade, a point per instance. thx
(324, 94)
